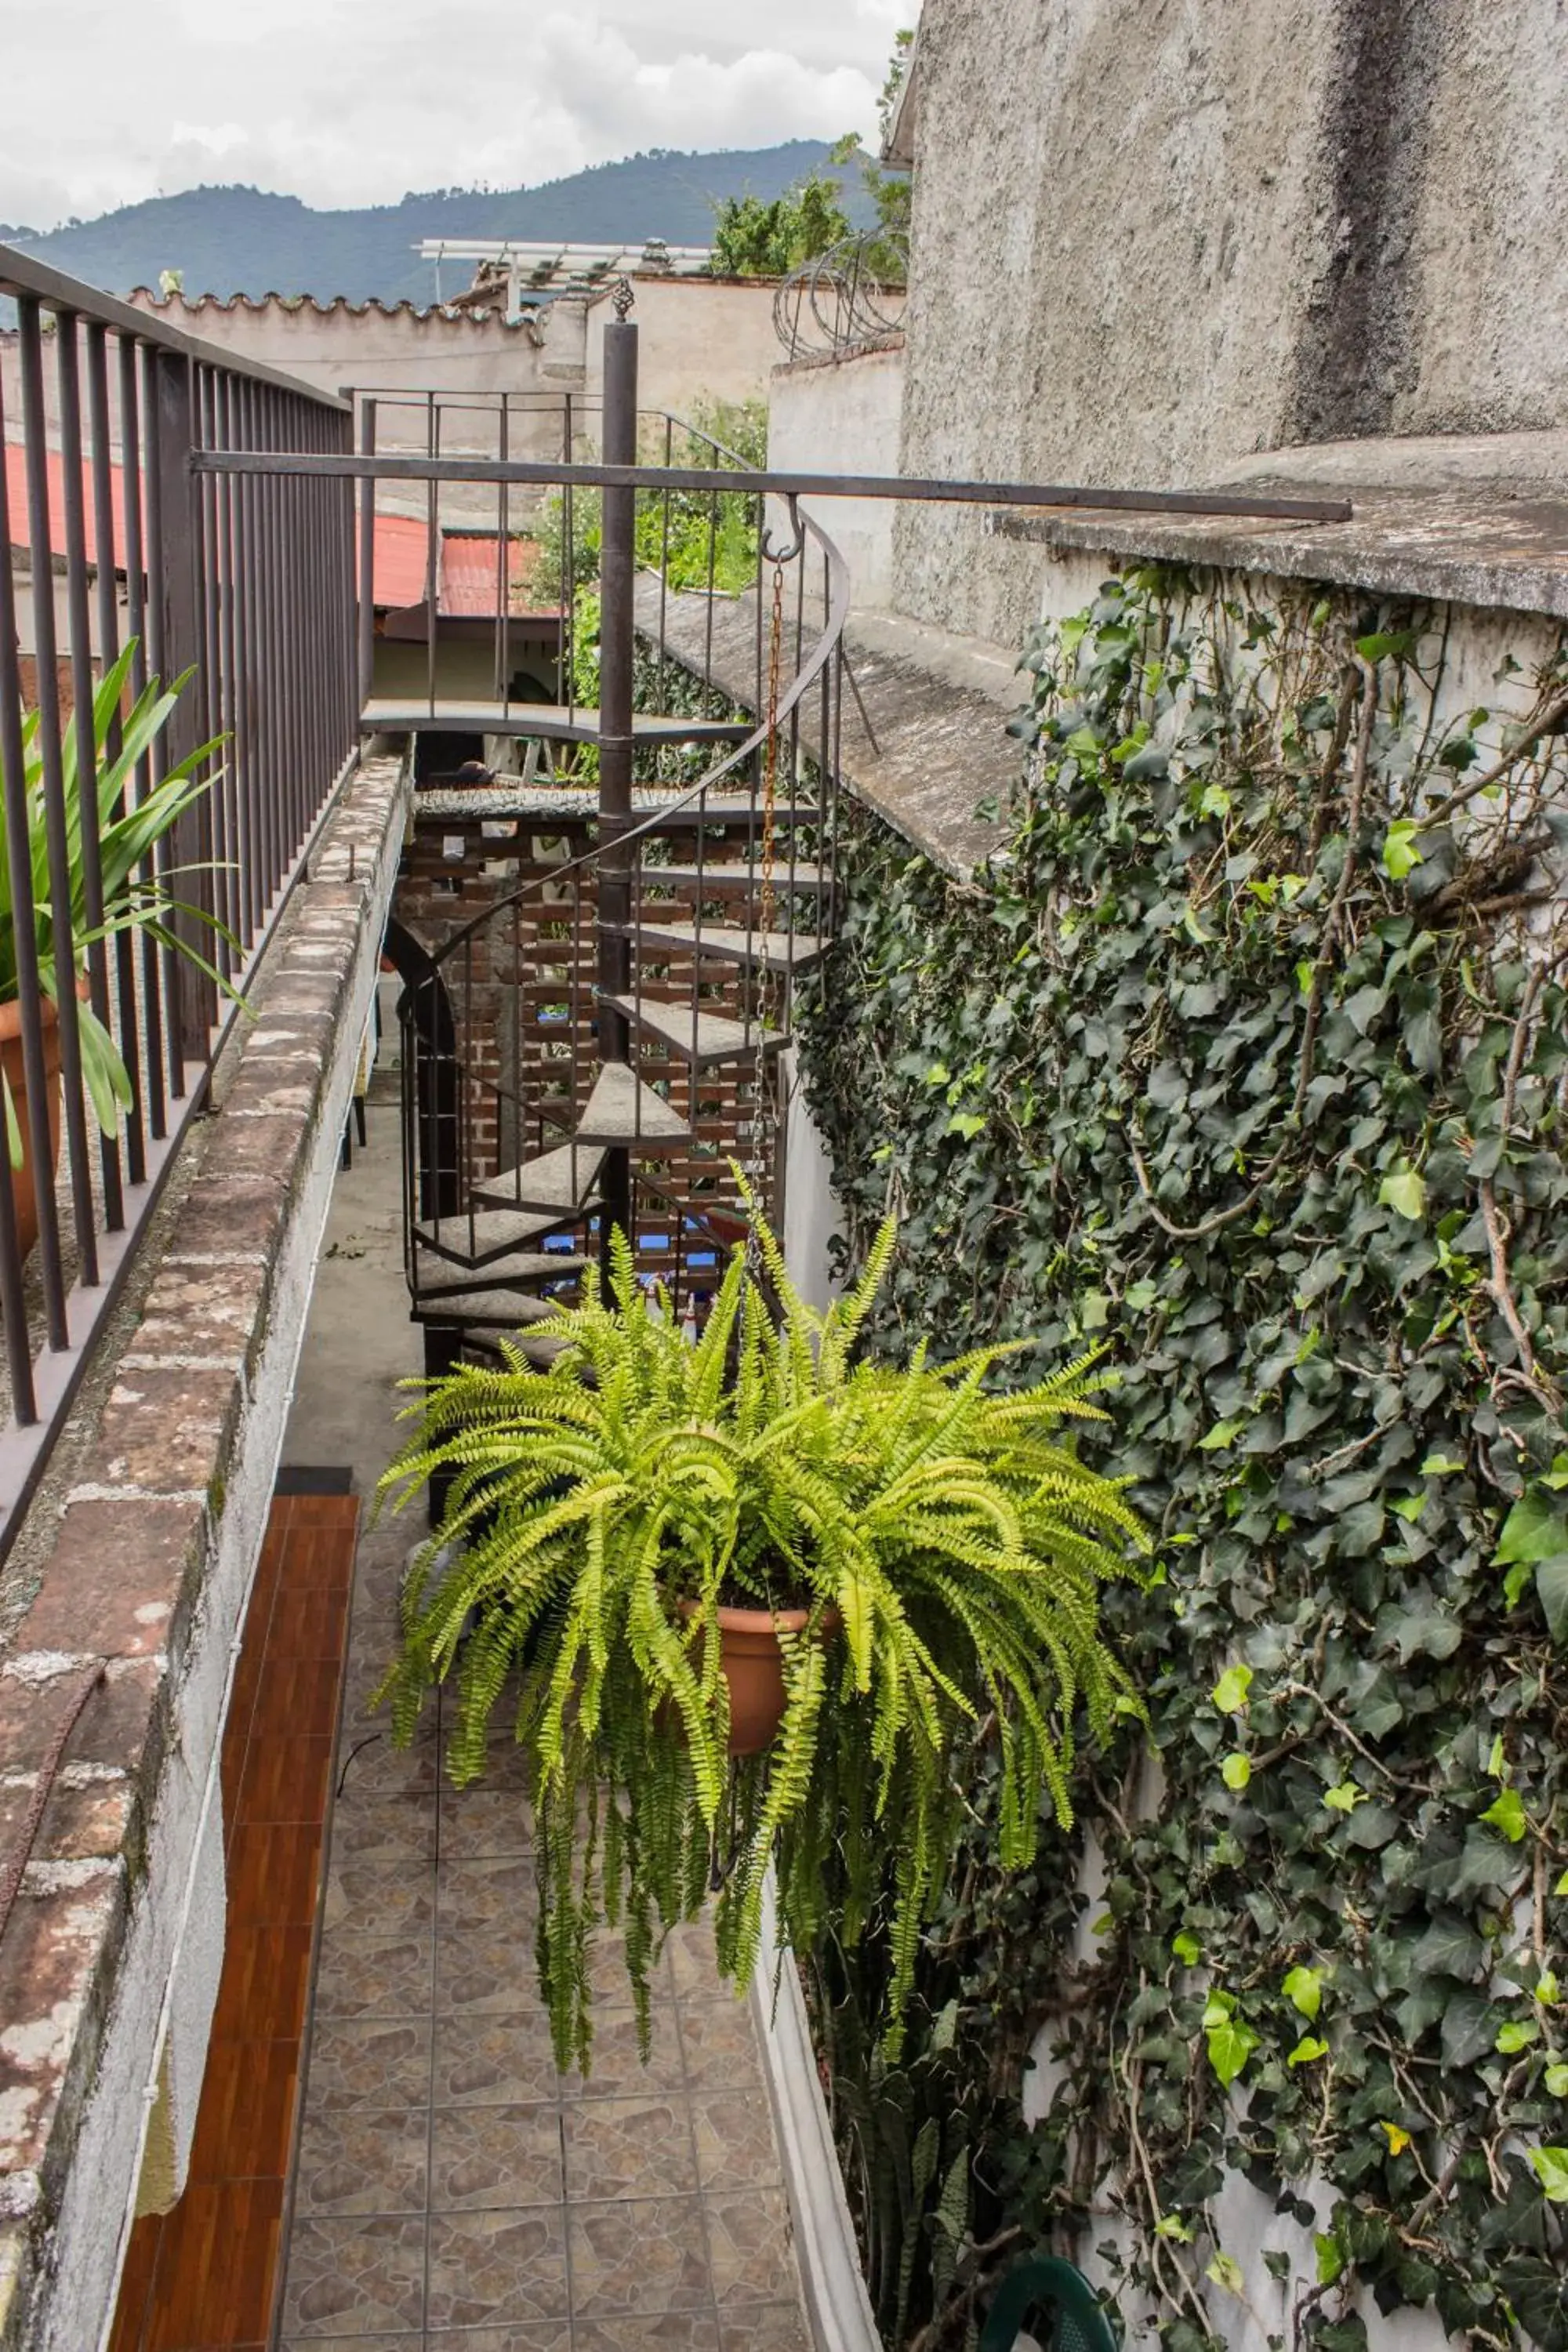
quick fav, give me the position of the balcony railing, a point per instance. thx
(110, 539)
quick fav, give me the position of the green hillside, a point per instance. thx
(239, 241)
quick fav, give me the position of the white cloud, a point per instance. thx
(354, 101)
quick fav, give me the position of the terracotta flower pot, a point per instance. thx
(752, 1662)
(24, 1193)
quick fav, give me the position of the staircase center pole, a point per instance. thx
(617, 560)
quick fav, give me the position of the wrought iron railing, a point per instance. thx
(111, 540)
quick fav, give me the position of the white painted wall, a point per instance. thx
(701, 338)
(842, 415)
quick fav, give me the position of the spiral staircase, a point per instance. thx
(656, 1059)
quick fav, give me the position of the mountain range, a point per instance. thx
(238, 240)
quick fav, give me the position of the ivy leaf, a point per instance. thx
(1330, 2258)
(1229, 1694)
(1533, 1530)
(1171, 2225)
(1187, 1949)
(1552, 1590)
(1223, 1434)
(1507, 1816)
(1400, 854)
(1226, 2272)
(1309, 2048)
(1517, 2035)
(938, 1075)
(967, 1123)
(1440, 1465)
(1551, 2171)
(1561, 1886)
(1404, 1192)
(1303, 1988)
(1557, 2080)
(1231, 2043)
(1344, 1797)
(1236, 1770)
(1398, 2140)
(1547, 1992)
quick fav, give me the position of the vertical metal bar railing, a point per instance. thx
(51, 770)
(124, 545)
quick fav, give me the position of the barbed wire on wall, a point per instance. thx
(851, 297)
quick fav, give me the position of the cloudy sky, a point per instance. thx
(354, 102)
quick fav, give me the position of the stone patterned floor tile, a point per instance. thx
(502, 2061)
(409, 2343)
(667, 2331)
(762, 2328)
(749, 2241)
(358, 2275)
(692, 1961)
(497, 1893)
(484, 1821)
(369, 1767)
(628, 2147)
(720, 2046)
(483, 1973)
(615, 2067)
(386, 1898)
(644, 2255)
(490, 2269)
(398, 1828)
(607, 1977)
(546, 2335)
(488, 2157)
(369, 2063)
(374, 1976)
(364, 2160)
(734, 2134)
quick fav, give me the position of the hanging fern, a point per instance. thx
(947, 1547)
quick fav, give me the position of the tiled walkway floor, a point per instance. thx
(453, 2191)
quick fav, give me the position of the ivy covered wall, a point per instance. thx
(1247, 1061)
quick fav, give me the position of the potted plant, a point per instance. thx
(907, 1551)
(127, 833)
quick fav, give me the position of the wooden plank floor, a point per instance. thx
(205, 2276)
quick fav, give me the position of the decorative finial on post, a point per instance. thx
(622, 298)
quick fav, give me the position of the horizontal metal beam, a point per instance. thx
(20, 274)
(383, 466)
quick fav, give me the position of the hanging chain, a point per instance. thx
(757, 1166)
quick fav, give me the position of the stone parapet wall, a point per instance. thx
(141, 1599)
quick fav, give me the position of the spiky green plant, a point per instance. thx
(134, 896)
(947, 1547)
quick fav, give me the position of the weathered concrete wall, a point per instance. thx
(842, 415)
(1237, 230)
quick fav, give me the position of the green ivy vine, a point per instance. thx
(1248, 1060)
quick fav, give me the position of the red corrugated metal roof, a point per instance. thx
(468, 562)
(16, 496)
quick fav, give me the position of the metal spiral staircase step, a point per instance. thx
(440, 1278)
(622, 1112)
(562, 1179)
(722, 880)
(489, 1234)
(541, 1352)
(551, 722)
(773, 950)
(496, 1310)
(693, 816)
(717, 1037)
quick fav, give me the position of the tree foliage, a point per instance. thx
(1247, 1057)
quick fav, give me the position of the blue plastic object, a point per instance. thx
(1062, 2309)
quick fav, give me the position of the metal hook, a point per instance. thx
(772, 554)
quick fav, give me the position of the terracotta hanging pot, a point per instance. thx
(751, 1659)
(24, 1189)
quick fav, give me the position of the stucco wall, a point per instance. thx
(702, 338)
(1233, 230)
(842, 415)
